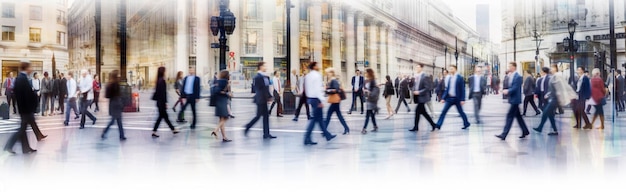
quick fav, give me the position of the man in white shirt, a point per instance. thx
(36, 83)
(71, 97)
(454, 95)
(478, 86)
(314, 87)
(191, 91)
(302, 100)
(278, 91)
(86, 91)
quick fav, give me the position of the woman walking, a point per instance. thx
(371, 91)
(96, 92)
(178, 86)
(112, 93)
(160, 96)
(334, 91)
(387, 94)
(221, 103)
(598, 94)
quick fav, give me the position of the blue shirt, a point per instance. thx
(189, 84)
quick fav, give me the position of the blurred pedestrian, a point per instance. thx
(550, 81)
(404, 93)
(388, 93)
(36, 83)
(514, 92)
(334, 90)
(46, 93)
(315, 88)
(160, 96)
(222, 86)
(302, 100)
(421, 95)
(72, 94)
(278, 92)
(86, 91)
(261, 98)
(62, 92)
(96, 92)
(9, 84)
(191, 90)
(116, 106)
(372, 92)
(178, 87)
(598, 95)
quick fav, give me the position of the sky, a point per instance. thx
(460, 9)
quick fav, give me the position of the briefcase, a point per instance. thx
(4, 110)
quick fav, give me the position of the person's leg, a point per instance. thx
(309, 129)
(532, 103)
(106, 129)
(520, 122)
(193, 112)
(346, 129)
(444, 111)
(120, 126)
(509, 120)
(398, 105)
(367, 119)
(526, 101)
(427, 116)
(600, 112)
(476, 108)
(459, 108)
(353, 106)
(181, 113)
(361, 99)
(266, 121)
(333, 107)
(279, 109)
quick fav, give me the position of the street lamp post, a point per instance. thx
(445, 56)
(515, 42)
(456, 51)
(571, 28)
(537, 41)
(223, 25)
(288, 96)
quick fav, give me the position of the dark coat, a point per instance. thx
(361, 82)
(529, 86)
(160, 92)
(262, 91)
(585, 89)
(196, 88)
(116, 106)
(221, 98)
(423, 88)
(483, 86)
(515, 89)
(25, 97)
(460, 88)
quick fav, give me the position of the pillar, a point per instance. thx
(383, 52)
(392, 62)
(316, 19)
(182, 40)
(373, 47)
(268, 34)
(336, 38)
(360, 40)
(350, 46)
(295, 36)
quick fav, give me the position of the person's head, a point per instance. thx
(405, 76)
(45, 74)
(294, 72)
(25, 67)
(580, 70)
(95, 77)
(452, 69)
(445, 72)
(313, 66)
(260, 66)
(161, 73)
(357, 72)
(70, 74)
(595, 72)
(478, 70)
(419, 68)
(512, 67)
(35, 75)
(179, 75)
(545, 71)
(224, 74)
(554, 68)
(388, 78)
(61, 75)
(10, 74)
(276, 73)
(618, 72)
(114, 76)
(84, 73)
(330, 72)
(369, 73)
(192, 71)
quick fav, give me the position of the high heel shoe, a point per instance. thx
(175, 131)
(214, 134)
(231, 116)
(174, 109)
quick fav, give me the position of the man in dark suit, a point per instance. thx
(514, 92)
(262, 97)
(505, 85)
(397, 86)
(541, 88)
(191, 89)
(9, 84)
(478, 88)
(62, 89)
(25, 97)
(619, 90)
(529, 93)
(357, 91)
(403, 91)
(454, 94)
(421, 94)
(583, 88)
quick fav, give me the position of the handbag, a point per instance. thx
(213, 96)
(342, 94)
(334, 98)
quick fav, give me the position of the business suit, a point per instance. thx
(358, 93)
(584, 93)
(160, 96)
(191, 96)
(505, 86)
(25, 97)
(549, 95)
(454, 94)
(515, 99)
(261, 97)
(619, 91)
(422, 86)
(9, 84)
(478, 88)
(403, 93)
(302, 101)
(529, 94)
(397, 84)
(539, 91)
(115, 109)
(62, 92)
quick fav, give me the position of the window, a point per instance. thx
(8, 10)
(8, 33)
(60, 17)
(35, 35)
(252, 11)
(60, 38)
(35, 13)
(251, 42)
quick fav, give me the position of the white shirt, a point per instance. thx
(511, 76)
(452, 88)
(277, 85)
(300, 84)
(541, 83)
(71, 88)
(313, 85)
(36, 83)
(476, 85)
(86, 85)
(189, 84)
(357, 82)
(580, 83)
(418, 79)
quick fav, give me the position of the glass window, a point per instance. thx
(35, 35)
(60, 17)
(35, 13)
(60, 38)
(8, 33)
(252, 9)
(251, 42)
(8, 10)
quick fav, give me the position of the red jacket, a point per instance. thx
(96, 86)
(597, 89)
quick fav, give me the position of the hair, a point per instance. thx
(224, 74)
(24, 66)
(160, 73)
(95, 75)
(388, 78)
(312, 65)
(369, 73)
(61, 74)
(453, 66)
(581, 67)
(34, 74)
(530, 72)
(555, 66)
(114, 76)
(619, 71)
(259, 65)
(595, 71)
(420, 65)
(45, 74)
(330, 70)
(71, 74)
(445, 71)
(513, 63)
(179, 75)
(275, 72)
(357, 70)
(546, 70)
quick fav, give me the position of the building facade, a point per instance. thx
(34, 31)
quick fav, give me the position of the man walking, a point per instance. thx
(46, 94)
(25, 96)
(36, 84)
(454, 94)
(315, 87)
(514, 92)
(421, 94)
(619, 90)
(86, 91)
(357, 91)
(191, 89)
(303, 99)
(62, 92)
(540, 89)
(278, 91)
(478, 87)
(404, 93)
(529, 95)
(9, 84)
(583, 88)
(262, 96)
(71, 95)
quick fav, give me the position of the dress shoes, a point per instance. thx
(42, 138)
(310, 143)
(501, 137)
(553, 133)
(524, 135)
(331, 137)
(29, 151)
(537, 130)
(415, 129)
(269, 137)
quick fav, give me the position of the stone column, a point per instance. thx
(350, 45)
(182, 40)
(383, 52)
(392, 61)
(316, 19)
(360, 39)
(268, 34)
(295, 35)
(202, 38)
(336, 38)
(373, 46)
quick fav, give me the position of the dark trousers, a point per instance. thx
(619, 105)
(478, 103)
(62, 103)
(541, 102)
(355, 95)
(96, 100)
(181, 113)
(71, 105)
(548, 114)
(400, 101)
(162, 116)
(39, 102)
(452, 101)
(27, 119)
(514, 113)
(11, 100)
(334, 108)
(118, 119)
(530, 99)
(84, 112)
(302, 102)
(421, 110)
(370, 115)
(277, 99)
(261, 112)
(318, 118)
(46, 99)
(579, 112)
